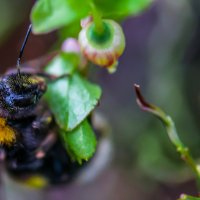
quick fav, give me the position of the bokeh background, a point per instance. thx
(162, 55)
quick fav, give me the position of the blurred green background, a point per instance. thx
(162, 55)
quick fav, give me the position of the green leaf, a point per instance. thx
(71, 98)
(48, 15)
(64, 63)
(81, 142)
(121, 8)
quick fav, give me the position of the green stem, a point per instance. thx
(99, 28)
(181, 148)
(171, 131)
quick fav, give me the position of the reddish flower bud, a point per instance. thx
(104, 48)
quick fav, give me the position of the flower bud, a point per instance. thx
(71, 45)
(103, 48)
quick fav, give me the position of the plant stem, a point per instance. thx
(99, 28)
(180, 147)
(171, 131)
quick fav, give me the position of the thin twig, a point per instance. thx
(171, 131)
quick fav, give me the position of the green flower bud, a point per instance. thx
(102, 48)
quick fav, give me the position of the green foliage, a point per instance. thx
(81, 142)
(48, 15)
(71, 98)
(186, 197)
(64, 63)
(121, 8)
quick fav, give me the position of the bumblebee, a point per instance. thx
(28, 133)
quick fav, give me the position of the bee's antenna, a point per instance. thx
(22, 48)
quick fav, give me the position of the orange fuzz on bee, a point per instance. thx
(7, 134)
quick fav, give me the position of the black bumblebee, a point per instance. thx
(28, 133)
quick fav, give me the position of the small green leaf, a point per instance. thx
(71, 98)
(80, 142)
(48, 15)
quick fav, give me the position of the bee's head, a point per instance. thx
(20, 94)
(20, 91)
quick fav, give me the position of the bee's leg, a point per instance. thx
(46, 144)
(42, 122)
